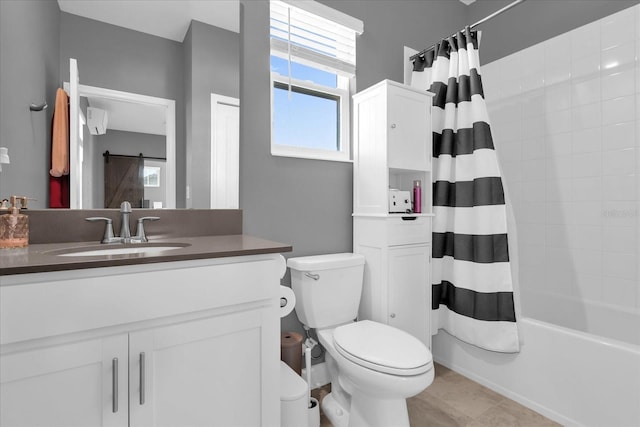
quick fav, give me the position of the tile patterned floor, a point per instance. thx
(455, 401)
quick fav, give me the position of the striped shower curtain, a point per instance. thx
(471, 275)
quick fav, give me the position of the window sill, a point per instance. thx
(302, 153)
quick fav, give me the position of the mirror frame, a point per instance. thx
(170, 137)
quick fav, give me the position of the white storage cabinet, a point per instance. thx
(392, 148)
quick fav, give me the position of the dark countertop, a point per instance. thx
(38, 258)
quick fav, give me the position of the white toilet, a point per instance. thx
(374, 367)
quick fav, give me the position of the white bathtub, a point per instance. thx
(571, 377)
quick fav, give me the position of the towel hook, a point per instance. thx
(39, 107)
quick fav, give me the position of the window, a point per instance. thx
(151, 176)
(312, 76)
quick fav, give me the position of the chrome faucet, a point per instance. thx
(125, 231)
(125, 212)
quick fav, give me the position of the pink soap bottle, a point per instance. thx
(417, 197)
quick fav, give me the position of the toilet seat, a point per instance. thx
(382, 348)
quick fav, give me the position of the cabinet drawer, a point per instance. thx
(408, 231)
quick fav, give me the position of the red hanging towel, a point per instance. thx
(59, 184)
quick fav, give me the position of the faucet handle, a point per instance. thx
(140, 234)
(108, 237)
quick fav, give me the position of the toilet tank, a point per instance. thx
(327, 288)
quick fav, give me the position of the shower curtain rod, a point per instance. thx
(482, 21)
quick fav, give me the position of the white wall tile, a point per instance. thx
(532, 213)
(620, 213)
(619, 57)
(533, 234)
(559, 167)
(509, 151)
(587, 213)
(587, 189)
(589, 286)
(620, 292)
(558, 121)
(588, 237)
(533, 170)
(557, 236)
(534, 191)
(587, 164)
(618, 28)
(619, 239)
(619, 162)
(559, 190)
(585, 41)
(618, 84)
(534, 126)
(533, 148)
(586, 67)
(586, 116)
(586, 140)
(559, 213)
(619, 136)
(585, 91)
(575, 168)
(533, 103)
(558, 144)
(619, 187)
(558, 97)
(587, 262)
(618, 110)
(620, 265)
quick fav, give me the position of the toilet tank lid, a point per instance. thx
(325, 262)
(292, 386)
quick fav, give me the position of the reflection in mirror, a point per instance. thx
(182, 50)
(125, 135)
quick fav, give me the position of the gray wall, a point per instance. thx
(308, 203)
(211, 66)
(534, 21)
(29, 73)
(117, 58)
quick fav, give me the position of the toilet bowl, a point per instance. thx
(378, 374)
(373, 367)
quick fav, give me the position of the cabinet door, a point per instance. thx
(409, 130)
(199, 373)
(66, 385)
(408, 298)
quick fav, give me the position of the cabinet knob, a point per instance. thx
(393, 126)
(392, 315)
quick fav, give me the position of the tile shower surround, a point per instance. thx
(565, 119)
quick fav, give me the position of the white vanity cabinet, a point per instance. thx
(193, 343)
(392, 149)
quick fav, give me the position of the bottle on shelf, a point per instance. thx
(417, 197)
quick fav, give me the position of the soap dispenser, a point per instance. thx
(14, 226)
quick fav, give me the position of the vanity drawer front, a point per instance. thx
(408, 231)
(122, 295)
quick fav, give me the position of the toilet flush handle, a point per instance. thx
(312, 275)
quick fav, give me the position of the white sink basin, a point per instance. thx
(134, 249)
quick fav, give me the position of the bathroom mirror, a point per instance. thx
(126, 146)
(123, 47)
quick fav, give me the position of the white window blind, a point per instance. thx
(316, 35)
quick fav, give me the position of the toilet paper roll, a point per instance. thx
(291, 350)
(282, 266)
(287, 301)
